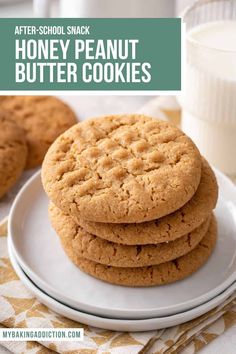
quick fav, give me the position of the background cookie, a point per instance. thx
(153, 275)
(43, 119)
(98, 250)
(127, 168)
(13, 152)
(169, 227)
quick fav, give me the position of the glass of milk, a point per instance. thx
(209, 99)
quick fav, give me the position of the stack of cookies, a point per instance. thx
(131, 200)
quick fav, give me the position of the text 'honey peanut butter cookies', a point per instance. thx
(98, 250)
(43, 119)
(161, 274)
(167, 228)
(127, 168)
(13, 152)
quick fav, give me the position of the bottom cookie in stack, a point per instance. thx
(136, 265)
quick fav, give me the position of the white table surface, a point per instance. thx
(88, 106)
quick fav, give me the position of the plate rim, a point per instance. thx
(170, 310)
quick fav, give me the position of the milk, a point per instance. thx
(209, 102)
(217, 36)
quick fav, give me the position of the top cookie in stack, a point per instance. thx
(122, 169)
(114, 177)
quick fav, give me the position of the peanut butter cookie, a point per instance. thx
(98, 250)
(13, 152)
(152, 275)
(167, 228)
(43, 119)
(121, 169)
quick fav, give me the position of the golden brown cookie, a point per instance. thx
(13, 152)
(98, 250)
(125, 168)
(167, 228)
(152, 275)
(43, 119)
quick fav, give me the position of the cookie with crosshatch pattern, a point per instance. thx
(122, 168)
(167, 228)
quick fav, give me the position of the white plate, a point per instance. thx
(39, 253)
(117, 324)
